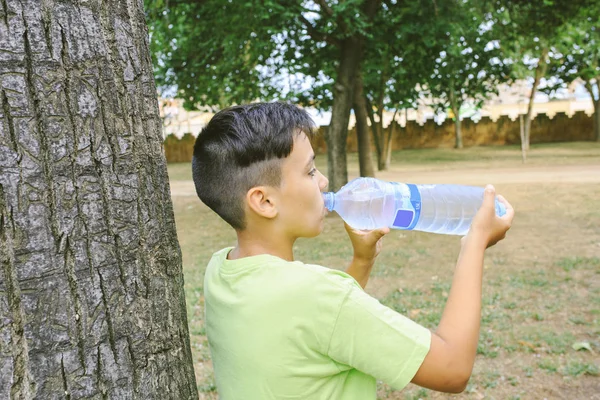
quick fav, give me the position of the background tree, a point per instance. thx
(231, 52)
(577, 57)
(91, 285)
(528, 30)
(396, 63)
(469, 68)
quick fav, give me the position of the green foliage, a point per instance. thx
(528, 27)
(213, 51)
(398, 60)
(471, 65)
(221, 52)
(577, 52)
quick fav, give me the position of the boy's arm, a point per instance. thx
(366, 246)
(449, 363)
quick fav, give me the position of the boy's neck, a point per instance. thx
(257, 243)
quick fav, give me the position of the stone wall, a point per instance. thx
(485, 132)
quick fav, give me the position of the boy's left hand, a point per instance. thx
(366, 244)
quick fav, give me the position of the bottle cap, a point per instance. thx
(329, 199)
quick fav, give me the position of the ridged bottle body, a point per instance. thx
(369, 203)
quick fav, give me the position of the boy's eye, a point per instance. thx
(313, 172)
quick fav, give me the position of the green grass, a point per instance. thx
(577, 368)
(570, 263)
(541, 288)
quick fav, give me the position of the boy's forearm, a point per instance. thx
(459, 326)
(360, 270)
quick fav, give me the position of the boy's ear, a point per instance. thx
(261, 201)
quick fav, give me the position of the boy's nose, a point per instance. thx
(324, 182)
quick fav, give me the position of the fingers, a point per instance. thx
(510, 211)
(364, 232)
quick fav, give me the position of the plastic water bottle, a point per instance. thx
(369, 203)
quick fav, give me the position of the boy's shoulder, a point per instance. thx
(272, 267)
(334, 276)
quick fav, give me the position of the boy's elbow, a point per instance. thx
(459, 382)
(458, 387)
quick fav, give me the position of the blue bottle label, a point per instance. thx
(404, 219)
(407, 218)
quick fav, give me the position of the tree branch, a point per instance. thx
(328, 12)
(370, 8)
(590, 89)
(325, 7)
(316, 35)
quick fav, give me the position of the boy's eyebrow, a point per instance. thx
(310, 161)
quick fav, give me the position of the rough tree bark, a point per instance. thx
(91, 285)
(365, 159)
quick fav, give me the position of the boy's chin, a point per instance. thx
(314, 233)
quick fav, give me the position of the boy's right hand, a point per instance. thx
(366, 243)
(486, 225)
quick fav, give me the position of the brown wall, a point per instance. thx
(179, 150)
(561, 128)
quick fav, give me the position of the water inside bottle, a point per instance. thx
(367, 210)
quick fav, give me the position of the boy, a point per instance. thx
(281, 329)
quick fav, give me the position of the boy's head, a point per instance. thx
(244, 147)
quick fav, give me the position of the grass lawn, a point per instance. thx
(541, 285)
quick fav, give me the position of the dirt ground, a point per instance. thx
(541, 285)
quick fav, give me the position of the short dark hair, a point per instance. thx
(242, 147)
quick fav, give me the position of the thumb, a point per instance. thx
(489, 197)
(383, 231)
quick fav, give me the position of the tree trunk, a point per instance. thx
(455, 106)
(337, 132)
(376, 129)
(522, 135)
(365, 159)
(351, 54)
(388, 142)
(458, 142)
(91, 285)
(597, 119)
(596, 102)
(540, 71)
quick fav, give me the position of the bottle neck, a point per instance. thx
(329, 199)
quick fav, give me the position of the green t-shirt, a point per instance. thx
(287, 330)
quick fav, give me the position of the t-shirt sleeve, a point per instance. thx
(377, 340)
